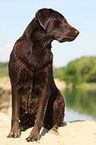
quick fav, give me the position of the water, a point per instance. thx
(80, 104)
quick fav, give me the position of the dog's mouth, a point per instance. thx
(69, 39)
(63, 40)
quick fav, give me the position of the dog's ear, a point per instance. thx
(43, 16)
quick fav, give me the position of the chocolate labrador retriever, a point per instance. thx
(36, 101)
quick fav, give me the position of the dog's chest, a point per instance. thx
(29, 102)
(42, 58)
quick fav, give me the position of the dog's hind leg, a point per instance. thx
(58, 112)
(55, 111)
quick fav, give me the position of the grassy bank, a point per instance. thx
(89, 86)
(3, 69)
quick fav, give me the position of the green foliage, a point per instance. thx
(71, 73)
(59, 73)
(78, 71)
(92, 75)
(3, 69)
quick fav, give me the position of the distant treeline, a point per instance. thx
(78, 71)
(3, 69)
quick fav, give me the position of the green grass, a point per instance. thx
(3, 69)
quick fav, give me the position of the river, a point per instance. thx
(80, 104)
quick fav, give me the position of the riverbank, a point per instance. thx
(77, 132)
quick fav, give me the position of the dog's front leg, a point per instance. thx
(42, 105)
(15, 131)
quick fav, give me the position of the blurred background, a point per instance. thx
(74, 62)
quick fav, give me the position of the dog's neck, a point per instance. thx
(40, 39)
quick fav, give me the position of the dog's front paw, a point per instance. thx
(15, 132)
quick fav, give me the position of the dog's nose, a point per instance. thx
(76, 32)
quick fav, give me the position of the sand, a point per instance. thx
(74, 133)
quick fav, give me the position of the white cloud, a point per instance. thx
(5, 52)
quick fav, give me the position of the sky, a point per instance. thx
(81, 14)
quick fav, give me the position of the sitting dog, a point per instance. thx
(36, 101)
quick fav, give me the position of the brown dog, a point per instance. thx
(36, 101)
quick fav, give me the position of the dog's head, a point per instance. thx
(55, 25)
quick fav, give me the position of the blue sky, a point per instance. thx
(81, 14)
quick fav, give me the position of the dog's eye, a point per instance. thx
(60, 19)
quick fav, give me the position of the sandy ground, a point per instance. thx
(5, 83)
(74, 133)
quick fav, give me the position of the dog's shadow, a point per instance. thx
(44, 130)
